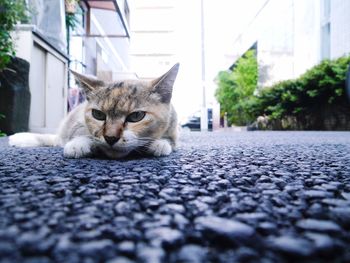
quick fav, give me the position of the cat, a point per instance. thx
(115, 120)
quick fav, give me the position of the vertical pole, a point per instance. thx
(68, 80)
(225, 120)
(204, 111)
(348, 83)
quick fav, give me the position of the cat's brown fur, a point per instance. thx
(81, 134)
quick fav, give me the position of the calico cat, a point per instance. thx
(116, 119)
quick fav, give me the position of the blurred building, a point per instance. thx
(153, 43)
(291, 36)
(164, 32)
(98, 43)
(42, 42)
(91, 36)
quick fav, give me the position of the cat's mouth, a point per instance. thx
(121, 149)
(116, 151)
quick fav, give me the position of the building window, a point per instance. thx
(326, 41)
(127, 12)
(325, 29)
(326, 10)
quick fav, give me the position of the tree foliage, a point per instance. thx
(236, 88)
(322, 85)
(11, 12)
(1, 133)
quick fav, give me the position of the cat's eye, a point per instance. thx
(98, 115)
(135, 116)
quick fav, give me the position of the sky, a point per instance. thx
(224, 20)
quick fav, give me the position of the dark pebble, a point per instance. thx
(93, 247)
(323, 242)
(120, 260)
(317, 194)
(127, 247)
(147, 254)
(192, 254)
(222, 227)
(221, 197)
(318, 225)
(164, 236)
(292, 245)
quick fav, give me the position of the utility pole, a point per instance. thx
(204, 111)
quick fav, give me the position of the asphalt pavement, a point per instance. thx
(221, 197)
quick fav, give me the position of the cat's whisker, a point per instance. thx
(141, 151)
(122, 147)
(146, 139)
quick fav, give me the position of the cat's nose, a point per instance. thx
(111, 140)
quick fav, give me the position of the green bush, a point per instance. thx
(11, 12)
(321, 85)
(1, 133)
(301, 99)
(236, 88)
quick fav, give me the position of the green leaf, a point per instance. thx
(236, 88)
(339, 91)
(312, 93)
(11, 12)
(320, 85)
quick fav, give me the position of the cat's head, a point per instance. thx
(125, 115)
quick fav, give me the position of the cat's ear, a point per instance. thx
(89, 84)
(164, 84)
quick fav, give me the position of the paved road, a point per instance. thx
(222, 197)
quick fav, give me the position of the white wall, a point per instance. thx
(306, 35)
(102, 55)
(289, 37)
(340, 28)
(153, 39)
(165, 32)
(275, 42)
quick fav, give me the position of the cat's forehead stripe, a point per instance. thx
(119, 102)
(120, 88)
(121, 98)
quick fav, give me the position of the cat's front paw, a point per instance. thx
(160, 148)
(77, 148)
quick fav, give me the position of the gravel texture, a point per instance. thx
(221, 197)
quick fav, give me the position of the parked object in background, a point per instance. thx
(263, 120)
(261, 123)
(15, 96)
(194, 122)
